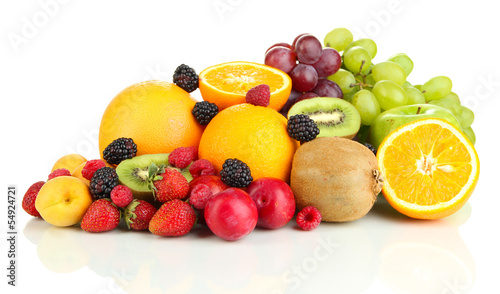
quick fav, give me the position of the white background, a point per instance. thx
(61, 64)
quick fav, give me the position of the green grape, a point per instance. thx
(338, 39)
(467, 117)
(449, 104)
(436, 88)
(453, 96)
(344, 79)
(355, 57)
(367, 106)
(469, 133)
(366, 43)
(407, 84)
(403, 60)
(388, 70)
(418, 87)
(414, 96)
(368, 69)
(348, 97)
(389, 94)
(370, 80)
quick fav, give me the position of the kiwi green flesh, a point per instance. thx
(335, 117)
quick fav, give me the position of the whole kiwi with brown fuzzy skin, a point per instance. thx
(338, 176)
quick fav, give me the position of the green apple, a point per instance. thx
(393, 118)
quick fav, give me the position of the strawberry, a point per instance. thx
(101, 216)
(169, 185)
(138, 214)
(30, 197)
(174, 218)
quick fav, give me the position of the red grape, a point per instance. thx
(307, 95)
(281, 58)
(290, 102)
(296, 38)
(304, 77)
(308, 49)
(329, 63)
(327, 88)
(286, 45)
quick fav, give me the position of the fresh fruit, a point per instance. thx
(403, 60)
(102, 182)
(415, 96)
(119, 150)
(338, 39)
(304, 77)
(199, 196)
(170, 185)
(102, 216)
(466, 118)
(174, 218)
(235, 173)
(259, 95)
(388, 70)
(274, 200)
(389, 94)
(69, 162)
(77, 173)
(58, 173)
(469, 133)
(302, 128)
(63, 201)
(345, 79)
(292, 99)
(138, 214)
(227, 84)
(449, 104)
(308, 218)
(281, 57)
(91, 167)
(339, 177)
(255, 135)
(367, 105)
(186, 78)
(121, 196)
(333, 116)
(436, 88)
(156, 114)
(231, 214)
(202, 167)
(29, 199)
(357, 59)
(430, 168)
(204, 111)
(327, 88)
(201, 189)
(372, 149)
(368, 44)
(390, 120)
(329, 63)
(182, 157)
(308, 49)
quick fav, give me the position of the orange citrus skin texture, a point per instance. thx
(155, 114)
(253, 134)
(226, 84)
(430, 169)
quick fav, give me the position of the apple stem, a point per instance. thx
(418, 110)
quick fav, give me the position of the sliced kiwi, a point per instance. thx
(133, 173)
(335, 117)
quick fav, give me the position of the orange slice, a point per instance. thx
(226, 84)
(430, 168)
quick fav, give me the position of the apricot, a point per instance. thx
(69, 162)
(77, 173)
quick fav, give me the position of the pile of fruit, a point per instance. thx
(312, 134)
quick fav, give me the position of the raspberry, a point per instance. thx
(372, 149)
(59, 172)
(200, 194)
(181, 157)
(91, 166)
(172, 185)
(138, 214)
(121, 196)
(204, 111)
(30, 198)
(308, 218)
(119, 150)
(102, 183)
(302, 128)
(259, 95)
(186, 78)
(202, 167)
(236, 173)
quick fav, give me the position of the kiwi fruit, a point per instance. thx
(340, 177)
(335, 117)
(134, 174)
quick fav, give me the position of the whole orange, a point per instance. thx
(155, 114)
(253, 134)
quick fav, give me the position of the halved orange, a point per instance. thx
(430, 168)
(226, 84)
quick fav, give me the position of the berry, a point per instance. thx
(119, 150)
(138, 214)
(369, 146)
(202, 167)
(204, 111)
(259, 95)
(101, 216)
(186, 78)
(302, 128)
(171, 185)
(30, 197)
(199, 196)
(181, 157)
(91, 166)
(121, 196)
(102, 183)
(174, 218)
(308, 218)
(58, 173)
(236, 173)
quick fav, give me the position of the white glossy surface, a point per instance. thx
(56, 87)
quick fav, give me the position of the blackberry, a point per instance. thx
(119, 150)
(235, 173)
(102, 182)
(369, 146)
(302, 128)
(204, 112)
(186, 78)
